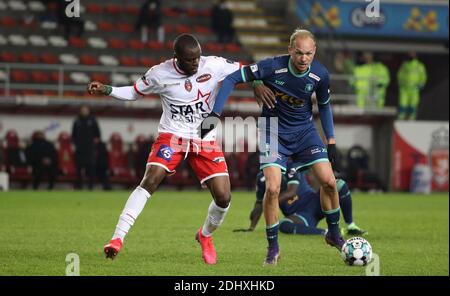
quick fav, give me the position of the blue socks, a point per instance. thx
(289, 227)
(345, 201)
(272, 234)
(332, 217)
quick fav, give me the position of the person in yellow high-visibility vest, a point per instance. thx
(411, 77)
(370, 81)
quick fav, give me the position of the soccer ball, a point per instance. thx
(356, 251)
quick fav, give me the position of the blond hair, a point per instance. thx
(301, 34)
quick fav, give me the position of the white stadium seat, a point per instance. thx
(38, 40)
(79, 77)
(68, 58)
(90, 26)
(97, 42)
(3, 40)
(3, 76)
(135, 77)
(119, 79)
(18, 40)
(3, 5)
(36, 6)
(57, 41)
(49, 25)
(17, 5)
(108, 60)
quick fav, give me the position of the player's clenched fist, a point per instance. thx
(96, 88)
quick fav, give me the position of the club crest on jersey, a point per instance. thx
(188, 85)
(203, 78)
(309, 87)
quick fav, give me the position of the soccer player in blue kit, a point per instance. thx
(300, 204)
(293, 79)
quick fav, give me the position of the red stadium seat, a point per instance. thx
(147, 62)
(168, 28)
(191, 12)
(20, 76)
(50, 93)
(125, 27)
(40, 76)
(136, 44)
(94, 8)
(170, 12)
(132, 10)
(66, 157)
(8, 57)
(105, 26)
(101, 77)
(232, 47)
(86, 59)
(113, 9)
(31, 92)
(128, 61)
(155, 45)
(181, 29)
(28, 58)
(8, 22)
(54, 76)
(203, 30)
(77, 42)
(214, 47)
(48, 58)
(118, 159)
(116, 43)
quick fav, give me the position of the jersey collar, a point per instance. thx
(291, 69)
(179, 71)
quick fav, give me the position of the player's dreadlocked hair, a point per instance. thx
(301, 34)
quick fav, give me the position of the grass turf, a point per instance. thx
(409, 233)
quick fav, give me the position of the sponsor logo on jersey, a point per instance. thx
(203, 78)
(318, 150)
(309, 87)
(219, 159)
(165, 152)
(144, 80)
(288, 99)
(230, 61)
(279, 82)
(194, 112)
(291, 201)
(314, 76)
(283, 70)
(170, 84)
(254, 68)
(188, 85)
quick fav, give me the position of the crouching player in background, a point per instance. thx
(300, 205)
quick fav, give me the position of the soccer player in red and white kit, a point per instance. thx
(187, 86)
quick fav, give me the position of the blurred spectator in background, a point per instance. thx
(102, 165)
(85, 136)
(43, 158)
(149, 18)
(72, 25)
(222, 22)
(141, 150)
(370, 81)
(411, 77)
(14, 155)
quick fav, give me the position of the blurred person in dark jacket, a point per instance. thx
(222, 22)
(85, 136)
(43, 158)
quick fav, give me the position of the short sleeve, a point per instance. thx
(148, 83)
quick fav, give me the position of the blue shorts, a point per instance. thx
(304, 147)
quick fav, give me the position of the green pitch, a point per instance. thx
(38, 229)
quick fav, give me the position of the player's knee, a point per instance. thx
(272, 191)
(329, 185)
(286, 226)
(222, 197)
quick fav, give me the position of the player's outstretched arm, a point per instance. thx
(124, 93)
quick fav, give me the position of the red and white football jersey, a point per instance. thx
(186, 101)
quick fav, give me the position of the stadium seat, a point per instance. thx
(55, 76)
(136, 44)
(8, 57)
(232, 48)
(94, 8)
(113, 9)
(66, 157)
(118, 159)
(147, 62)
(86, 59)
(36, 6)
(128, 61)
(68, 58)
(213, 47)
(96, 42)
(203, 30)
(155, 45)
(119, 79)
(50, 93)
(48, 58)
(17, 5)
(3, 6)
(8, 22)
(182, 29)
(108, 60)
(170, 12)
(17, 40)
(49, 25)
(3, 40)
(101, 77)
(125, 27)
(132, 10)
(19, 76)
(90, 26)
(79, 77)
(116, 43)
(27, 57)
(105, 26)
(57, 41)
(77, 42)
(40, 76)
(37, 40)
(3, 77)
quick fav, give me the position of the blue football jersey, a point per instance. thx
(293, 91)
